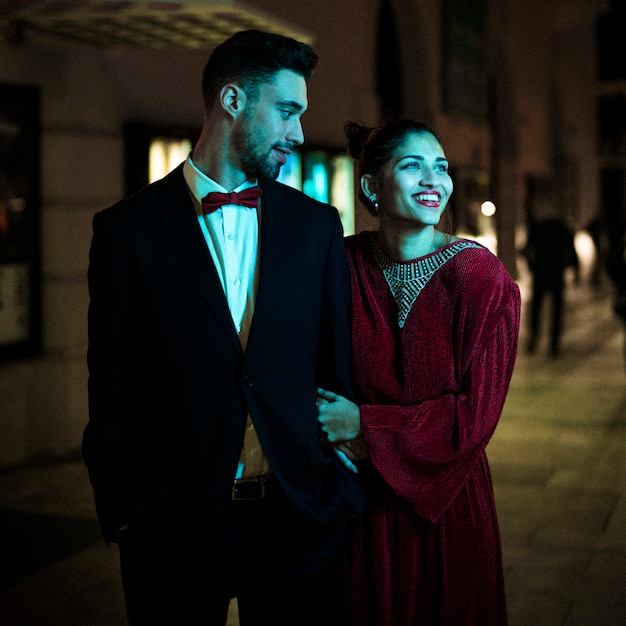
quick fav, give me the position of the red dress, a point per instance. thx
(427, 549)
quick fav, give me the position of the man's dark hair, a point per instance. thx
(252, 57)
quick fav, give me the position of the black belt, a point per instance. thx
(253, 488)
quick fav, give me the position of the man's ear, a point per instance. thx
(233, 99)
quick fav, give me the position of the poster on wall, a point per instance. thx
(20, 290)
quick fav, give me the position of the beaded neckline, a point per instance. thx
(407, 279)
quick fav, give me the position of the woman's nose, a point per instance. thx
(428, 177)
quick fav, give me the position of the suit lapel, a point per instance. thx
(274, 236)
(279, 254)
(177, 223)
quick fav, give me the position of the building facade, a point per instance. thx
(510, 87)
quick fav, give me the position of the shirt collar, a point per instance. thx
(200, 184)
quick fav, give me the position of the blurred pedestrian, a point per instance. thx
(595, 229)
(616, 268)
(549, 252)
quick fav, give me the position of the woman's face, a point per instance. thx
(415, 185)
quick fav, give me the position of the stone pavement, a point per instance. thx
(559, 465)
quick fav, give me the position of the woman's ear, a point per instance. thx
(368, 186)
(232, 99)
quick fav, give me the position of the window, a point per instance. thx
(326, 175)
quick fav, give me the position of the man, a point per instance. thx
(211, 324)
(549, 251)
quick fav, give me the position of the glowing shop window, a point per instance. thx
(315, 176)
(324, 177)
(291, 172)
(342, 190)
(165, 155)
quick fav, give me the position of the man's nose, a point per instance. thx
(296, 134)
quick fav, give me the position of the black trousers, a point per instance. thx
(181, 574)
(542, 287)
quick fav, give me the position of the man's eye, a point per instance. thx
(287, 114)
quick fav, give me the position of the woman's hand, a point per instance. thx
(339, 418)
(340, 421)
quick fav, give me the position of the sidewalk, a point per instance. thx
(559, 465)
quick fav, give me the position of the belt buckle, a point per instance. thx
(251, 483)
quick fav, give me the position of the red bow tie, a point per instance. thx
(214, 200)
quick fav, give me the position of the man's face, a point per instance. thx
(270, 126)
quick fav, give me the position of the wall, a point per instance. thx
(575, 61)
(87, 94)
(342, 86)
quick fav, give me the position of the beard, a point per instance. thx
(248, 143)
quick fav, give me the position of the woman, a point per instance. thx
(435, 333)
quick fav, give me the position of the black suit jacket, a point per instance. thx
(169, 384)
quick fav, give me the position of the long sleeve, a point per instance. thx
(425, 451)
(104, 441)
(442, 382)
(333, 370)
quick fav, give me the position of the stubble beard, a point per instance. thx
(248, 145)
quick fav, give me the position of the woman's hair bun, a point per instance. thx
(357, 135)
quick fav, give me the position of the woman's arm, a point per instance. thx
(425, 452)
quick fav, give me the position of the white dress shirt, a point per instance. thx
(232, 236)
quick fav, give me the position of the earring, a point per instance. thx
(374, 202)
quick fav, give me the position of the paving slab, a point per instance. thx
(558, 461)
